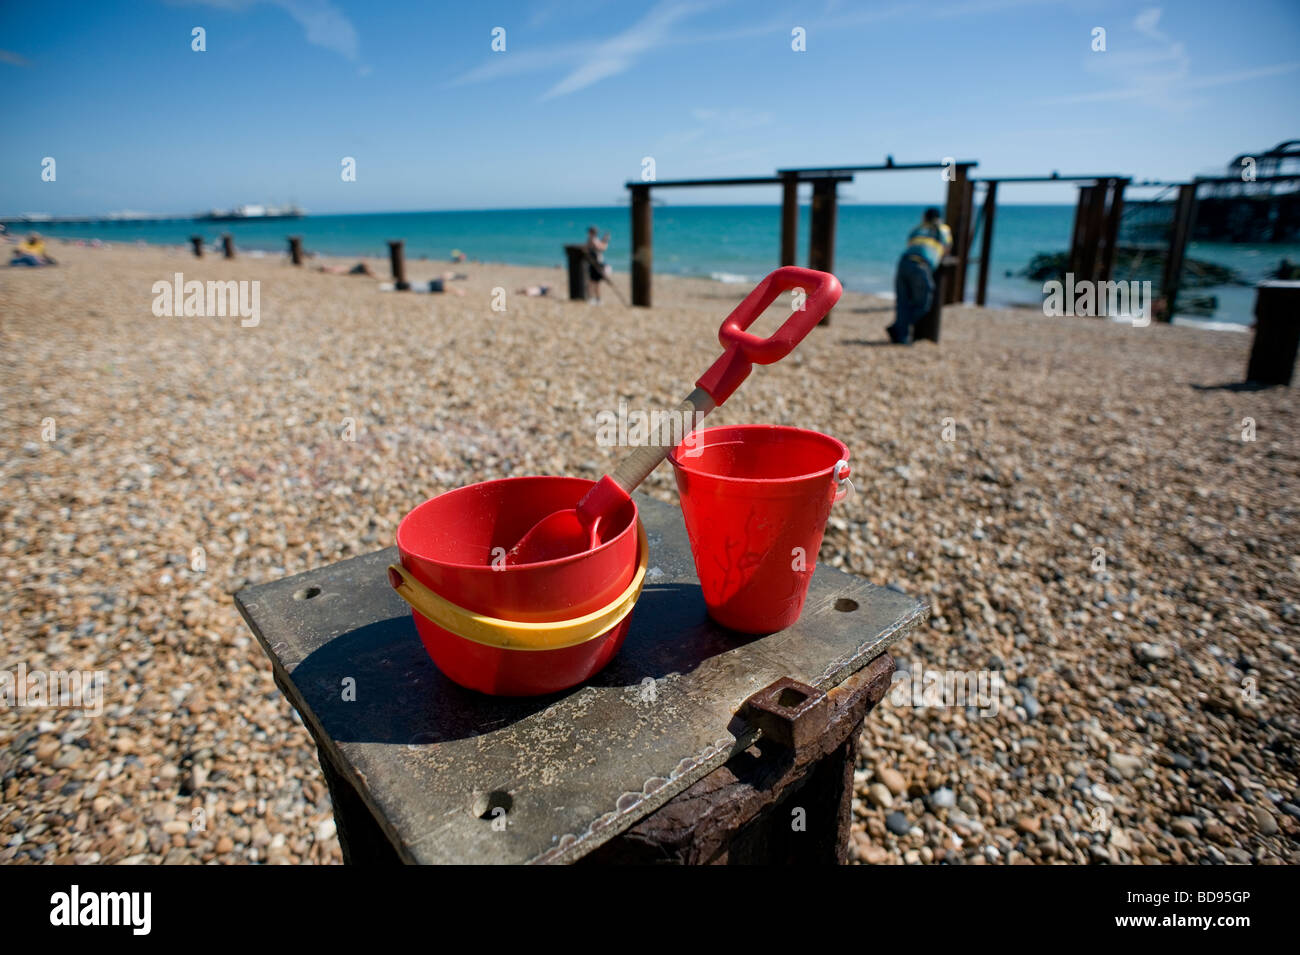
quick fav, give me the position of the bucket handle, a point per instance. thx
(516, 634)
(843, 486)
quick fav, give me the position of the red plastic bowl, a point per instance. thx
(448, 544)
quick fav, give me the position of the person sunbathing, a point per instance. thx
(359, 269)
(440, 284)
(31, 252)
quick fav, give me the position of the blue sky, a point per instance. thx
(584, 90)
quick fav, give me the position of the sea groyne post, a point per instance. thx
(1184, 219)
(789, 218)
(642, 243)
(1277, 333)
(989, 213)
(397, 259)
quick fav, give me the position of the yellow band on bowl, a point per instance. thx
(515, 634)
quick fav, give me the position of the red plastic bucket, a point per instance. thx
(449, 543)
(755, 499)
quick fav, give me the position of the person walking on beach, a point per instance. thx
(596, 246)
(927, 244)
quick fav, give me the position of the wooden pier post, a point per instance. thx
(228, 245)
(1110, 238)
(197, 242)
(821, 240)
(1277, 333)
(642, 244)
(397, 257)
(1089, 217)
(577, 259)
(986, 242)
(1096, 230)
(957, 216)
(968, 215)
(789, 218)
(1184, 216)
(927, 326)
(1076, 230)
(295, 249)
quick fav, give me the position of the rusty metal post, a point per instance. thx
(1087, 229)
(1095, 255)
(397, 257)
(1184, 216)
(1114, 218)
(789, 219)
(958, 295)
(197, 242)
(1098, 229)
(1088, 236)
(986, 242)
(821, 239)
(228, 245)
(1076, 232)
(295, 249)
(957, 217)
(1092, 236)
(642, 245)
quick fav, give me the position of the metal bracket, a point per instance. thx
(789, 713)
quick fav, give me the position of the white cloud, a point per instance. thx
(1150, 91)
(589, 63)
(1147, 22)
(323, 23)
(621, 52)
(1158, 73)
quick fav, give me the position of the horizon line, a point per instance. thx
(123, 215)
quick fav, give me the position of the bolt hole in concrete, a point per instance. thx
(487, 804)
(846, 604)
(307, 593)
(790, 698)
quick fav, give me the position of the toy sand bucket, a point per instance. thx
(516, 630)
(755, 499)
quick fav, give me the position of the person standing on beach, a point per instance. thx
(927, 244)
(596, 246)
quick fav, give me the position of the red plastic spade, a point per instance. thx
(574, 530)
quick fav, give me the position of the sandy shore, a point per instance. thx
(1151, 708)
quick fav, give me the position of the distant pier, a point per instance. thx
(36, 221)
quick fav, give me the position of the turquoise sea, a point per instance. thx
(729, 243)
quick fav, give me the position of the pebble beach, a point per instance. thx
(1096, 513)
